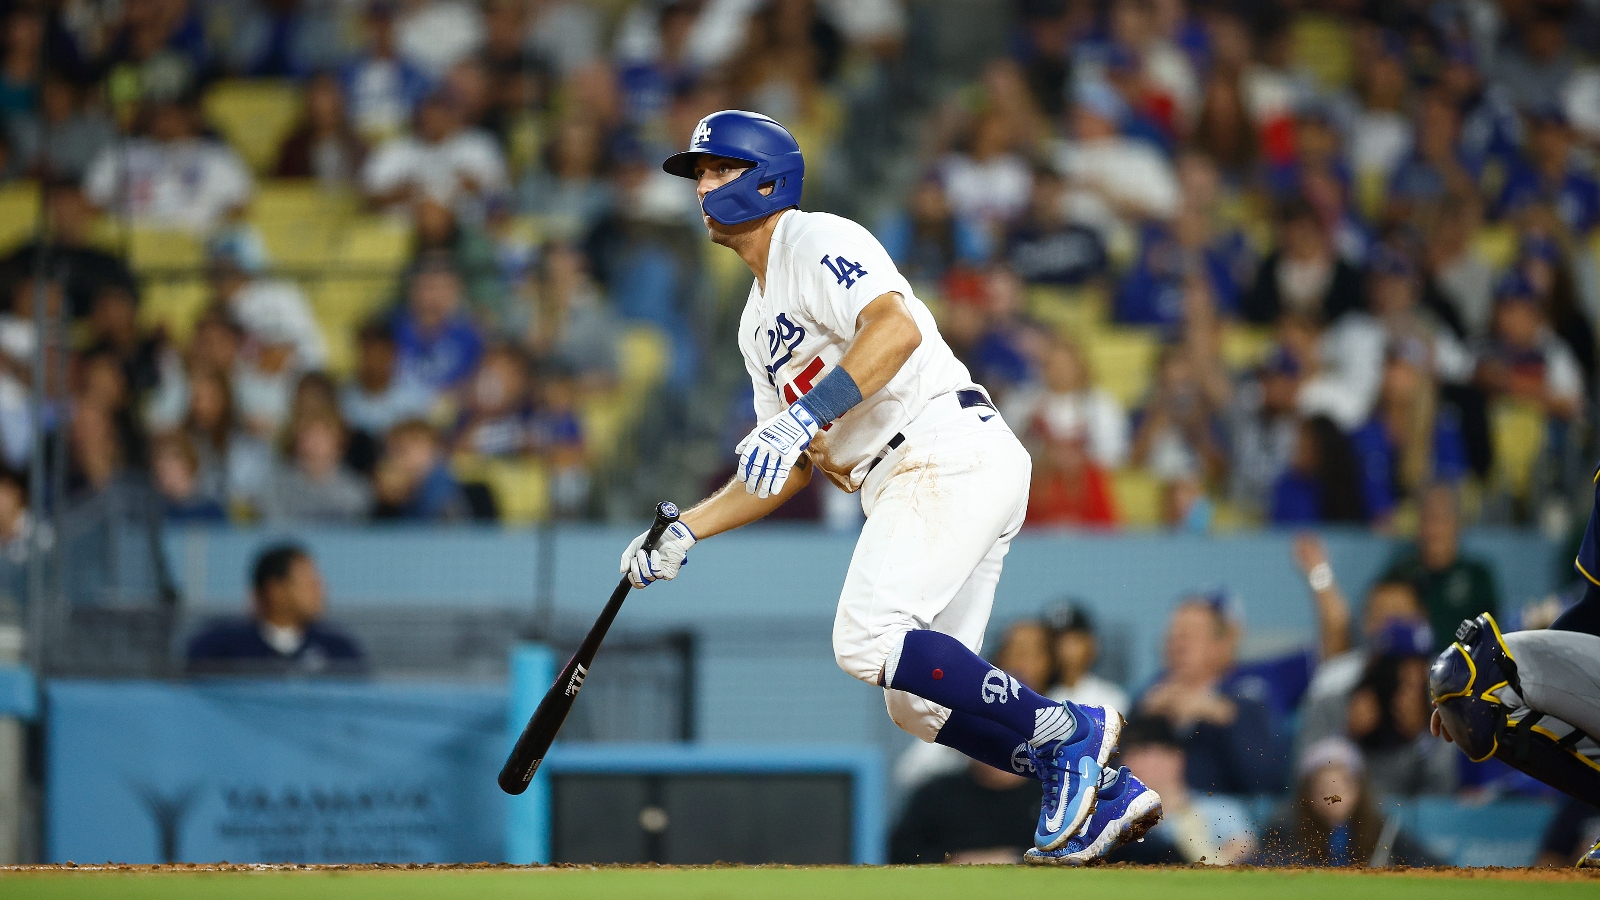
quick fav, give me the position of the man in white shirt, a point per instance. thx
(170, 177)
(456, 167)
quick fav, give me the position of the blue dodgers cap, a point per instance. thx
(1402, 638)
(1386, 260)
(753, 138)
(1515, 287)
(1101, 99)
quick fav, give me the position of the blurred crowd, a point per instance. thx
(1221, 263)
(1235, 263)
(547, 273)
(1296, 758)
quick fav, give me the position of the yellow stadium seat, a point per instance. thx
(1518, 431)
(521, 487)
(605, 421)
(1322, 47)
(254, 116)
(1244, 346)
(1123, 361)
(1137, 495)
(375, 244)
(1077, 311)
(1498, 245)
(19, 214)
(174, 305)
(164, 250)
(643, 357)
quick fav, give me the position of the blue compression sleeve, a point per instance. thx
(937, 667)
(832, 397)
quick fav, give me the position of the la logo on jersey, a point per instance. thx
(702, 134)
(843, 269)
(997, 684)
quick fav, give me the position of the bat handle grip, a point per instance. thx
(666, 514)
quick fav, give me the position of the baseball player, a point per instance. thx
(1531, 698)
(853, 380)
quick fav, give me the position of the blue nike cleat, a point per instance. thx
(1124, 811)
(1070, 771)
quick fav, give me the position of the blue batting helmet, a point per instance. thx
(756, 139)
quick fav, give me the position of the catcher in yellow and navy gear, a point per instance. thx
(1530, 698)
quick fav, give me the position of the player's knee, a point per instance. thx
(866, 657)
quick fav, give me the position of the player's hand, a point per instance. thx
(671, 552)
(768, 453)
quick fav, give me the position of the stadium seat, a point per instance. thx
(254, 116)
(341, 303)
(642, 359)
(1498, 245)
(175, 305)
(1245, 346)
(1077, 311)
(374, 245)
(1123, 361)
(19, 214)
(521, 487)
(1518, 431)
(1322, 47)
(299, 223)
(164, 250)
(1137, 495)
(605, 420)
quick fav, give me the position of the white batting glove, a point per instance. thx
(768, 453)
(671, 552)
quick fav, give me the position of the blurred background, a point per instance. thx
(344, 343)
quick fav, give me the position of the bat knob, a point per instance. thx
(667, 511)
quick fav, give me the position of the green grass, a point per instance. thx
(923, 883)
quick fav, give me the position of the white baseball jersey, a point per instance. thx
(822, 271)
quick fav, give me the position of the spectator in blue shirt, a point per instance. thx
(1548, 174)
(285, 632)
(925, 238)
(382, 89)
(1152, 291)
(1438, 165)
(1410, 440)
(412, 479)
(1322, 483)
(439, 344)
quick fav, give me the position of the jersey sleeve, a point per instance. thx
(844, 269)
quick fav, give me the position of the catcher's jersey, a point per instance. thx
(822, 271)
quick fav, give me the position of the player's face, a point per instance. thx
(712, 172)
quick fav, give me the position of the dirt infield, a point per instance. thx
(1485, 873)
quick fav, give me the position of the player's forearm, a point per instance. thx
(733, 507)
(886, 336)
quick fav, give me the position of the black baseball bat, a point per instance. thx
(541, 730)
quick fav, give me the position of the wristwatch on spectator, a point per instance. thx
(1320, 577)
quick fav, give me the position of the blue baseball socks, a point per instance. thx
(938, 667)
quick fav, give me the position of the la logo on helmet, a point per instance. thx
(702, 134)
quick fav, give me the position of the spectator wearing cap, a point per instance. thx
(439, 344)
(1554, 274)
(1387, 716)
(1535, 67)
(1393, 622)
(1075, 650)
(382, 88)
(282, 338)
(376, 398)
(1303, 275)
(1525, 360)
(1262, 426)
(1439, 166)
(1045, 246)
(1195, 827)
(1230, 739)
(442, 160)
(286, 632)
(1381, 134)
(1452, 585)
(1421, 322)
(1333, 817)
(1549, 174)
(1172, 260)
(169, 176)
(1113, 181)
